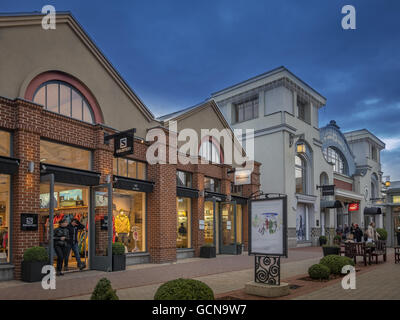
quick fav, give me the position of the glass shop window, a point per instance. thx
(183, 239)
(5, 143)
(212, 185)
(4, 218)
(64, 155)
(129, 168)
(183, 179)
(129, 218)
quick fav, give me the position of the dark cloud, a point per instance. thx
(175, 53)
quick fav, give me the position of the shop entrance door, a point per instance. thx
(100, 252)
(227, 228)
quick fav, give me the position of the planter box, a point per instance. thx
(330, 250)
(208, 252)
(118, 262)
(32, 271)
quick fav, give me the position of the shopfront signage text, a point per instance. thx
(354, 206)
(328, 190)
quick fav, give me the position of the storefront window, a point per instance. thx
(183, 179)
(129, 215)
(64, 155)
(70, 201)
(239, 216)
(183, 222)
(208, 222)
(4, 218)
(212, 185)
(129, 168)
(5, 144)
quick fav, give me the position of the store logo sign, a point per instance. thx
(123, 144)
(354, 207)
(49, 280)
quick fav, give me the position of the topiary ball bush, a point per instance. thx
(335, 263)
(36, 254)
(382, 233)
(118, 248)
(319, 271)
(184, 289)
(104, 291)
(337, 239)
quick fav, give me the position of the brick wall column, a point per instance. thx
(25, 185)
(197, 214)
(162, 213)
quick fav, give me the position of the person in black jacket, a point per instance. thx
(358, 233)
(61, 236)
(72, 243)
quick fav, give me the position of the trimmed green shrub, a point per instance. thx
(319, 271)
(323, 238)
(36, 254)
(335, 263)
(118, 248)
(382, 233)
(104, 291)
(184, 289)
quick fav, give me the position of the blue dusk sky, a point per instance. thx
(175, 53)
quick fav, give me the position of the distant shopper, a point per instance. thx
(72, 243)
(358, 234)
(182, 230)
(372, 235)
(61, 236)
(345, 231)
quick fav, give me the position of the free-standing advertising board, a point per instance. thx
(268, 226)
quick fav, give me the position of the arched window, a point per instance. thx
(209, 151)
(323, 179)
(334, 156)
(63, 98)
(301, 174)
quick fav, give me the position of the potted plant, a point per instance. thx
(382, 233)
(330, 249)
(337, 239)
(322, 240)
(118, 257)
(208, 251)
(34, 260)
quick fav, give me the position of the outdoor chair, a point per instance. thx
(396, 254)
(354, 250)
(378, 250)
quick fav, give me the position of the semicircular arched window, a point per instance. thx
(334, 156)
(60, 97)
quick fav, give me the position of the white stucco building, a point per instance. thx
(297, 157)
(283, 111)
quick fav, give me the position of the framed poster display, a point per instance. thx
(268, 226)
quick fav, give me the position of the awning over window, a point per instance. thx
(214, 195)
(239, 200)
(331, 204)
(70, 175)
(187, 192)
(372, 210)
(8, 165)
(133, 184)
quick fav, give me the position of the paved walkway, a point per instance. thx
(141, 281)
(382, 283)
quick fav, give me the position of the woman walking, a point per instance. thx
(61, 236)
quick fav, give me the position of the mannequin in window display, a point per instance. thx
(122, 227)
(135, 236)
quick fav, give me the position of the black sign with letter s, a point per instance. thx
(29, 221)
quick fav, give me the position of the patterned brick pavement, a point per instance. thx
(79, 284)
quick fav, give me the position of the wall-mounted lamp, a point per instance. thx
(387, 182)
(292, 137)
(301, 147)
(31, 166)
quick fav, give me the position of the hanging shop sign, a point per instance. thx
(354, 207)
(123, 142)
(29, 222)
(328, 190)
(242, 177)
(268, 226)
